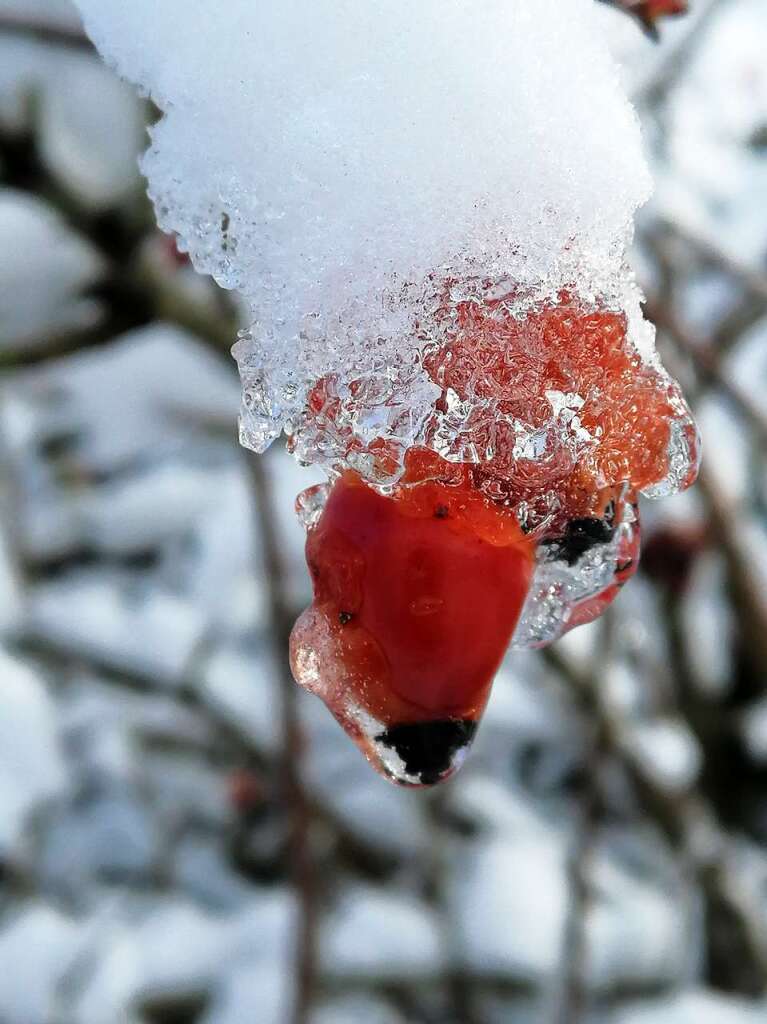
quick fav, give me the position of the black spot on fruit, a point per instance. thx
(427, 748)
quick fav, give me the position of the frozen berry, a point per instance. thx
(416, 597)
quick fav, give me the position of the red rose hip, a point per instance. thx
(416, 597)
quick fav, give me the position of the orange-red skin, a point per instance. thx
(423, 604)
(417, 595)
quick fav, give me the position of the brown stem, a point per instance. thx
(653, 96)
(573, 996)
(708, 363)
(302, 868)
(753, 281)
(44, 32)
(747, 594)
(687, 820)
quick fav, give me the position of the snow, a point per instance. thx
(163, 969)
(177, 949)
(43, 274)
(37, 947)
(510, 903)
(91, 148)
(353, 1010)
(258, 953)
(108, 838)
(376, 933)
(10, 589)
(753, 727)
(243, 689)
(103, 727)
(32, 766)
(709, 624)
(713, 114)
(143, 512)
(204, 873)
(116, 830)
(265, 986)
(112, 983)
(637, 934)
(61, 12)
(154, 634)
(496, 807)
(330, 197)
(695, 1007)
(146, 384)
(727, 453)
(667, 752)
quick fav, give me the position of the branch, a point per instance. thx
(136, 290)
(302, 868)
(708, 364)
(747, 593)
(45, 32)
(753, 282)
(653, 95)
(573, 996)
(687, 820)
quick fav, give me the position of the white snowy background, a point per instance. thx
(186, 838)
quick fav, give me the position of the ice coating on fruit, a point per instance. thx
(550, 412)
(416, 597)
(545, 407)
(579, 573)
(560, 424)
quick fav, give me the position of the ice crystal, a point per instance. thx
(338, 162)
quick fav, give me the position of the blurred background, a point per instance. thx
(187, 838)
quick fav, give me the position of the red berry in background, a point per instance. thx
(416, 598)
(246, 790)
(670, 554)
(652, 10)
(172, 252)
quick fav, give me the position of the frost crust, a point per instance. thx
(337, 162)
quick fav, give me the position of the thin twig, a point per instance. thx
(573, 997)
(753, 281)
(44, 32)
(653, 96)
(747, 593)
(707, 361)
(686, 819)
(303, 874)
(573, 994)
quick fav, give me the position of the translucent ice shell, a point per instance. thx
(512, 520)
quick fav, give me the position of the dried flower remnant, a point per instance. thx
(441, 318)
(650, 12)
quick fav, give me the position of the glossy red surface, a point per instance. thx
(413, 578)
